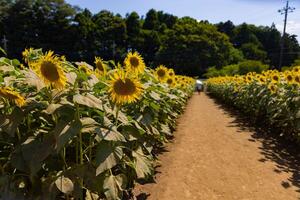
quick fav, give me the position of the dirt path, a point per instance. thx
(213, 157)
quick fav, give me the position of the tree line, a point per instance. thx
(185, 44)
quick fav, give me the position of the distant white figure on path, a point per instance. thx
(199, 86)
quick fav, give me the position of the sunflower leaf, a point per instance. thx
(107, 156)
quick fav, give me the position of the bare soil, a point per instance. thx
(215, 155)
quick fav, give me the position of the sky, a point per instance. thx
(259, 12)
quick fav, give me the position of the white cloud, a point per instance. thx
(292, 27)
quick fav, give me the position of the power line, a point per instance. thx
(287, 9)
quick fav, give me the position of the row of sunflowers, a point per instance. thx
(272, 98)
(79, 131)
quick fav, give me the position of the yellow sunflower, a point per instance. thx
(11, 95)
(171, 81)
(297, 79)
(134, 63)
(275, 78)
(100, 66)
(171, 72)
(273, 88)
(49, 68)
(123, 88)
(289, 78)
(161, 73)
(26, 54)
(84, 67)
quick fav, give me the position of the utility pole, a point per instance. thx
(287, 9)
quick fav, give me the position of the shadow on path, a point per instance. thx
(285, 153)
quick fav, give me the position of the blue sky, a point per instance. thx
(259, 12)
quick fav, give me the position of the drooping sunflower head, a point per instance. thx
(134, 63)
(124, 88)
(161, 73)
(85, 68)
(49, 68)
(100, 66)
(9, 94)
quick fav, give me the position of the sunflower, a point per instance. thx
(100, 66)
(123, 88)
(262, 79)
(49, 68)
(297, 79)
(27, 54)
(161, 73)
(275, 78)
(171, 72)
(289, 77)
(84, 67)
(171, 81)
(273, 88)
(11, 95)
(134, 62)
(296, 69)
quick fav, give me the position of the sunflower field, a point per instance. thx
(271, 99)
(80, 131)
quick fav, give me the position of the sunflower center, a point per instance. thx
(126, 87)
(169, 81)
(289, 78)
(99, 66)
(49, 71)
(161, 73)
(297, 79)
(134, 61)
(275, 78)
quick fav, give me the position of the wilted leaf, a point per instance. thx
(107, 156)
(71, 77)
(143, 164)
(112, 188)
(88, 100)
(110, 134)
(52, 108)
(32, 79)
(64, 184)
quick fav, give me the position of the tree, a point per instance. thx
(191, 47)
(151, 20)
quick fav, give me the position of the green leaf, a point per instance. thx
(3, 51)
(143, 164)
(107, 156)
(28, 157)
(10, 123)
(65, 131)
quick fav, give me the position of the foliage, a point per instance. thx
(241, 68)
(271, 99)
(261, 43)
(80, 141)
